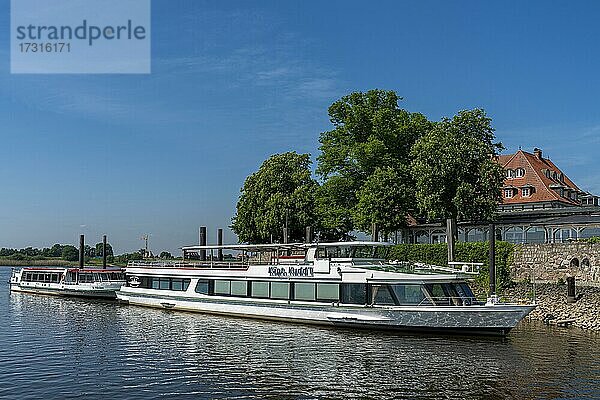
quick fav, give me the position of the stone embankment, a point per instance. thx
(553, 306)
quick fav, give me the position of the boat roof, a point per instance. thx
(283, 246)
(62, 269)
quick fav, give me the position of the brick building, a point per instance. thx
(540, 204)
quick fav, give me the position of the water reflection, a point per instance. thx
(64, 348)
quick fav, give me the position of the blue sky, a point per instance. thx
(234, 82)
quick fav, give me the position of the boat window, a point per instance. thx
(280, 290)
(104, 277)
(438, 294)
(46, 277)
(408, 294)
(354, 293)
(222, 287)
(380, 294)
(155, 283)
(321, 252)
(27, 277)
(436, 290)
(339, 252)
(54, 278)
(260, 289)
(145, 282)
(202, 286)
(363, 252)
(304, 291)
(464, 290)
(164, 283)
(328, 291)
(177, 284)
(239, 288)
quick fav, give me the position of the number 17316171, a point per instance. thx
(34, 47)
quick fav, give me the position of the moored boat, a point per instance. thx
(346, 284)
(62, 281)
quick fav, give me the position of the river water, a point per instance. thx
(62, 348)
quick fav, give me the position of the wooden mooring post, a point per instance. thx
(104, 251)
(81, 250)
(571, 289)
(492, 261)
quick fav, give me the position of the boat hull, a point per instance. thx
(61, 290)
(496, 319)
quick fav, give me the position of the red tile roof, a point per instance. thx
(535, 167)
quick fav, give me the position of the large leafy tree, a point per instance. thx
(281, 192)
(455, 171)
(364, 163)
(99, 247)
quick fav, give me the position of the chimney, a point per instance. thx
(538, 153)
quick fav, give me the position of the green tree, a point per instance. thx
(383, 199)
(165, 254)
(56, 250)
(99, 248)
(371, 141)
(455, 170)
(281, 191)
(70, 253)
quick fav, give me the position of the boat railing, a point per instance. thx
(199, 264)
(454, 267)
(449, 301)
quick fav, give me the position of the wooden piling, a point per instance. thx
(104, 251)
(570, 289)
(220, 243)
(81, 252)
(492, 261)
(202, 242)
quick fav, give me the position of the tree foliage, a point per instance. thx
(281, 190)
(70, 253)
(367, 150)
(165, 254)
(99, 248)
(454, 168)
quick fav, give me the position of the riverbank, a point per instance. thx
(552, 302)
(41, 263)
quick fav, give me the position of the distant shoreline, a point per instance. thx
(24, 263)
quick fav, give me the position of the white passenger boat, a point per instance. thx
(339, 284)
(82, 282)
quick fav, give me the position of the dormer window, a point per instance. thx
(519, 172)
(548, 173)
(508, 193)
(526, 192)
(510, 174)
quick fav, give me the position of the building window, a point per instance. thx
(526, 192)
(519, 172)
(508, 193)
(510, 174)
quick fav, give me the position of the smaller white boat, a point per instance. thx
(62, 281)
